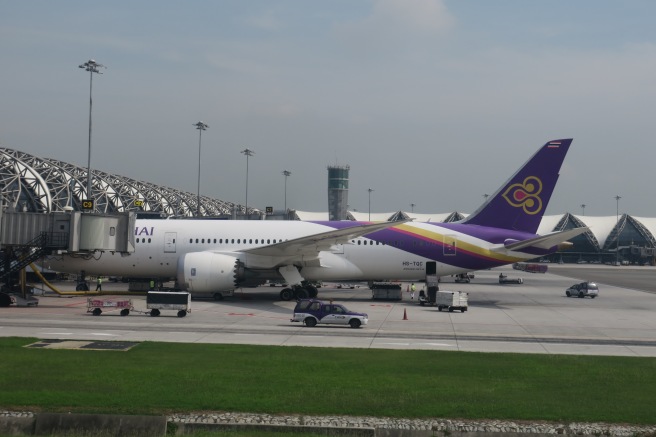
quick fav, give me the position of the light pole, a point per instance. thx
(583, 209)
(286, 173)
(248, 153)
(92, 67)
(370, 190)
(201, 127)
(617, 252)
(412, 207)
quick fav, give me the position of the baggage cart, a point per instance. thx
(168, 300)
(96, 306)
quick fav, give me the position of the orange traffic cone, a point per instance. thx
(405, 315)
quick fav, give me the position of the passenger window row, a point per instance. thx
(377, 243)
(234, 241)
(391, 243)
(368, 242)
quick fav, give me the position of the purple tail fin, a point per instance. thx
(520, 203)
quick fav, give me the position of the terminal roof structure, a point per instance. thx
(30, 183)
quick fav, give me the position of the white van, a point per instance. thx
(583, 289)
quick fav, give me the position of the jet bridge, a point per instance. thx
(25, 237)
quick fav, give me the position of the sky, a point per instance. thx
(430, 102)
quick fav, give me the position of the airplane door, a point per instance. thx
(449, 247)
(169, 242)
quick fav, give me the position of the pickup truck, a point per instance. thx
(313, 311)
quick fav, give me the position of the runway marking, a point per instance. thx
(242, 314)
(57, 333)
(417, 344)
(84, 345)
(103, 334)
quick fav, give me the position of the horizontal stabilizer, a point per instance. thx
(545, 241)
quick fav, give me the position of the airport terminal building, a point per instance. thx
(32, 184)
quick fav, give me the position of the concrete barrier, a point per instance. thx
(190, 428)
(99, 425)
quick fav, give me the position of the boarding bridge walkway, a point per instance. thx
(25, 237)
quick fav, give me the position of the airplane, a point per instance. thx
(209, 256)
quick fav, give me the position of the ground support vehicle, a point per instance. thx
(530, 267)
(386, 290)
(312, 311)
(583, 289)
(464, 278)
(503, 279)
(168, 300)
(7, 299)
(429, 297)
(17, 295)
(96, 306)
(452, 301)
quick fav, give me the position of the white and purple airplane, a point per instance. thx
(211, 257)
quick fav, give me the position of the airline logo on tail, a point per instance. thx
(525, 195)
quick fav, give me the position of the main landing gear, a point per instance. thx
(299, 292)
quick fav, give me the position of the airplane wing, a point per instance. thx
(311, 245)
(545, 241)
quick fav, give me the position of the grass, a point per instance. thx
(160, 378)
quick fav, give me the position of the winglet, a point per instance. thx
(520, 203)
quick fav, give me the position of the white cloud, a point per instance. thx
(265, 20)
(413, 16)
(395, 24)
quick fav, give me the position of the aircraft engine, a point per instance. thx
(209, 272)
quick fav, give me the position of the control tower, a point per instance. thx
(338, 181)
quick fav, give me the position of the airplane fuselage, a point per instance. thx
(400, 252)
(212, 256)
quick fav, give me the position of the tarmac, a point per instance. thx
(533, 317)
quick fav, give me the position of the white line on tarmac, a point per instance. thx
(417, 344)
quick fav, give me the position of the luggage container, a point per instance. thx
(452, 300)
(168, 300)
(386, 290)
